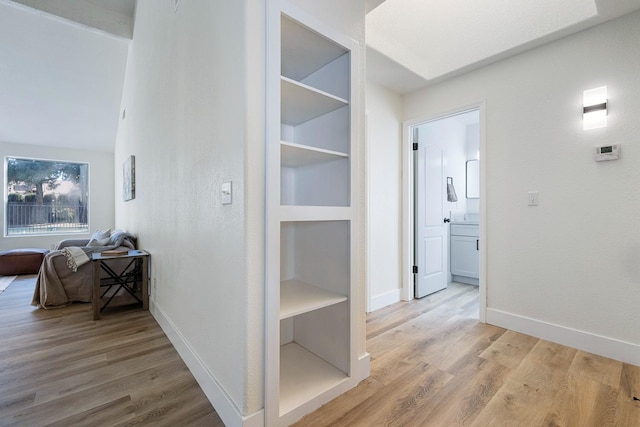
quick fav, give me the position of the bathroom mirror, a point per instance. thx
(473, 179)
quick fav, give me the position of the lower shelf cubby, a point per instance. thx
(314, 355)
(304, 376)
(315, 318)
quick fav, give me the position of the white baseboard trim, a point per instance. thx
(223, 405)
(384, 300)
(364, 367)
(597, 344)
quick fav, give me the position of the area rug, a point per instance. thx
(5, 281)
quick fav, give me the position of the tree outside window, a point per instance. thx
(45, 197)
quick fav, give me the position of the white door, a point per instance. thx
(431, 230)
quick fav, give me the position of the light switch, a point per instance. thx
(533, 198)
(226, 193)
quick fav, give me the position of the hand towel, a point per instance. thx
(451, 191)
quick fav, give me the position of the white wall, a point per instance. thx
(194, 97)
(101, 191)
(194, 100)
(567, 269)
(384, 159)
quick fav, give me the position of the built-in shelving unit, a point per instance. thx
(312, 220)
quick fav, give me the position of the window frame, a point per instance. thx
(41, 233)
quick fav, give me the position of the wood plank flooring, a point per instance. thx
(61, 368)
(434, 364)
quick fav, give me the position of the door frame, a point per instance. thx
(408, 172)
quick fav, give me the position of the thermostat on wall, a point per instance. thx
(606, 152)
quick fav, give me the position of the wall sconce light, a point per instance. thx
(594, 110)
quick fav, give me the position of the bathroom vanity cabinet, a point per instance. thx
(465, 250)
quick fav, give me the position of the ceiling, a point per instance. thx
(62, 71)
(62, 62)
(414, 43)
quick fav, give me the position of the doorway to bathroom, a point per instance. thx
(445, 212)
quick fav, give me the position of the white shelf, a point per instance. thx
(296, 155)
(297, 297)
(305, 51)
(301, 103)
(304, 376)
(315, 213)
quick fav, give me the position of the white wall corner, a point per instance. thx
(608, 347)
(220, 400)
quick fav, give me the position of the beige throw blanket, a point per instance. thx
(63, 278)
(50, 291)
(76, 257)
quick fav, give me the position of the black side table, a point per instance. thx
(133, 278)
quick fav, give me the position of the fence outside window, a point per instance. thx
(45, 197)
(31, 218)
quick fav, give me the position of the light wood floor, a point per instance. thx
(61, 368)
(434, 364)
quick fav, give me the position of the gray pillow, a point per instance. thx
(100, 238)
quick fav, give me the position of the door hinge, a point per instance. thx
(415, 146)
(415, 269)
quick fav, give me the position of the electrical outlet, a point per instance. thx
(533, 198)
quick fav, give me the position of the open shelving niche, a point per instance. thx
(311, 269)
(314, 309)
(314, 119)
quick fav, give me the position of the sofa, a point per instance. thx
(61, 281)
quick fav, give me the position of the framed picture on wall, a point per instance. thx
(129, 179)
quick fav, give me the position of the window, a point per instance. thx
(45, 197)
